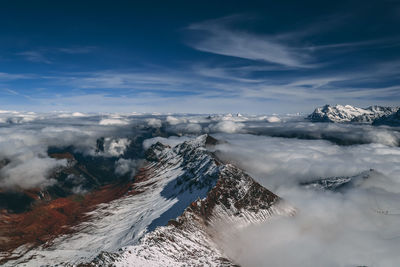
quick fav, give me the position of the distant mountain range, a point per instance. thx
(375, 115)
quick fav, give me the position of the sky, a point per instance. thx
(255, 57)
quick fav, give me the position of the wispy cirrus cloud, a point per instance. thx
(15, 93)
(76, 49)
(14, 76)
(45, 55)
(35, 56)
(288, 50)
(218, 37)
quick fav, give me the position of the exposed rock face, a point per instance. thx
(349, 113)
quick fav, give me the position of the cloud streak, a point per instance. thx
(35, 56)
(218, 38)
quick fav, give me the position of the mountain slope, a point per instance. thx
(185, 180)
(236, 200)
(191, 240)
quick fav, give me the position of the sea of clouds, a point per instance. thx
(356, 227)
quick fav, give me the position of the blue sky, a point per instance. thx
(198, 56)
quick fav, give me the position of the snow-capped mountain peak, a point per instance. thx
(348, 113)
(192, 239)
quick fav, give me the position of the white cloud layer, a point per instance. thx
(156, 123)
(115, 147)
(357, 227)
(126, 166)
(113, 121)
(227, 127)
(25, 162)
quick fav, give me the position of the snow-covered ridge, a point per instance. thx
(191, 239)
(347, 113)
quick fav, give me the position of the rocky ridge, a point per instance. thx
(236, 200)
